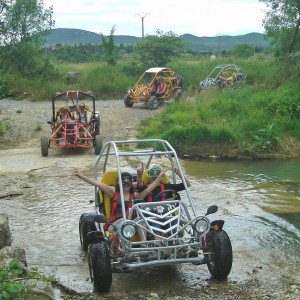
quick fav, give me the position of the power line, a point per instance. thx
(142, 15)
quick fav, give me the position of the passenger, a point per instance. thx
(83, 115)
(153, 85)
(114, 193)
(161, 88)
(154, 173)
(63, 116)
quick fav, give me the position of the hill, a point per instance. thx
(66, 36)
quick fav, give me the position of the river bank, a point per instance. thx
(26, 123)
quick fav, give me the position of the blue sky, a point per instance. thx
(197, 17)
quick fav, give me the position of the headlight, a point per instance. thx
(144, 93)
(202, 225)
(128, 230)
(160, 209)
(129, 91)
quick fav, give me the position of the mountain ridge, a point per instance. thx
(71, 36)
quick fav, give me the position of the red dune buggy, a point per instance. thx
(74, 123)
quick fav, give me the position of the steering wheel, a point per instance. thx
(177, 196)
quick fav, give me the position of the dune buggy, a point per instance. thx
(74, 123)
(144, 90)
(224, 76)
(176, 233)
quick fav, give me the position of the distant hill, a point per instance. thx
(67, 36)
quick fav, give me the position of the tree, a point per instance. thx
(23, 24)
(26, 20)
(159, 49)
(282, 24)
(110, 55)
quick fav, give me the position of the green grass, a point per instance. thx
(255, 117)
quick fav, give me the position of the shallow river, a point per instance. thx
(259, 201)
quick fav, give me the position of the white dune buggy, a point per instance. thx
(224, 76)
(176, 233)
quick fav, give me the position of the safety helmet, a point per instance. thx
(154, 171)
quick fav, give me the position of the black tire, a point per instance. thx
(179, 80)
(44, 146)
(127, 101)
(98, 144)
(153, 103)
(100, 266)
(97, 124)
(86, 224)
(221, 261)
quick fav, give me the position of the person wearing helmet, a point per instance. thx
(154, 172)
(160, 88)
(114, 193)
(83, 115)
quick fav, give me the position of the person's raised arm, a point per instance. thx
(110, 190)
(139, 178)
(152, 186)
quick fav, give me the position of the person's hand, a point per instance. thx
(176, 171)
(162, 173)
(140, 170)
(76, 172)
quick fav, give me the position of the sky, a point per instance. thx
(196, 17)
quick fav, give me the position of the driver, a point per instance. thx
(153, 173)
(114, 192)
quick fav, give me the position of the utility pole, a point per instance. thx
(142, 15)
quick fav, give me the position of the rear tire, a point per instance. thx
(97, 124)
(100, 266)
(153, 103)
(86, 225)
(127, 101)
(98, 144)
(221, 261)
(44, 145)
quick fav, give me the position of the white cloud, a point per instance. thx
(200, 18)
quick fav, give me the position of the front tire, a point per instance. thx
(100, 266)
(98, 144)
(127, 101)
(153, 103)
(86, 225)
(221, 261)
(44, 145)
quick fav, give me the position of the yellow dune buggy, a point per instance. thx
(144, 90)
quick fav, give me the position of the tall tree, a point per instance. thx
(23, 23)
(282, 24)
(26, 19)
(159, 49)
(109, 47)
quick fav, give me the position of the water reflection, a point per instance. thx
(259, 200)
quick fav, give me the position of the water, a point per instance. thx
(259, 201)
